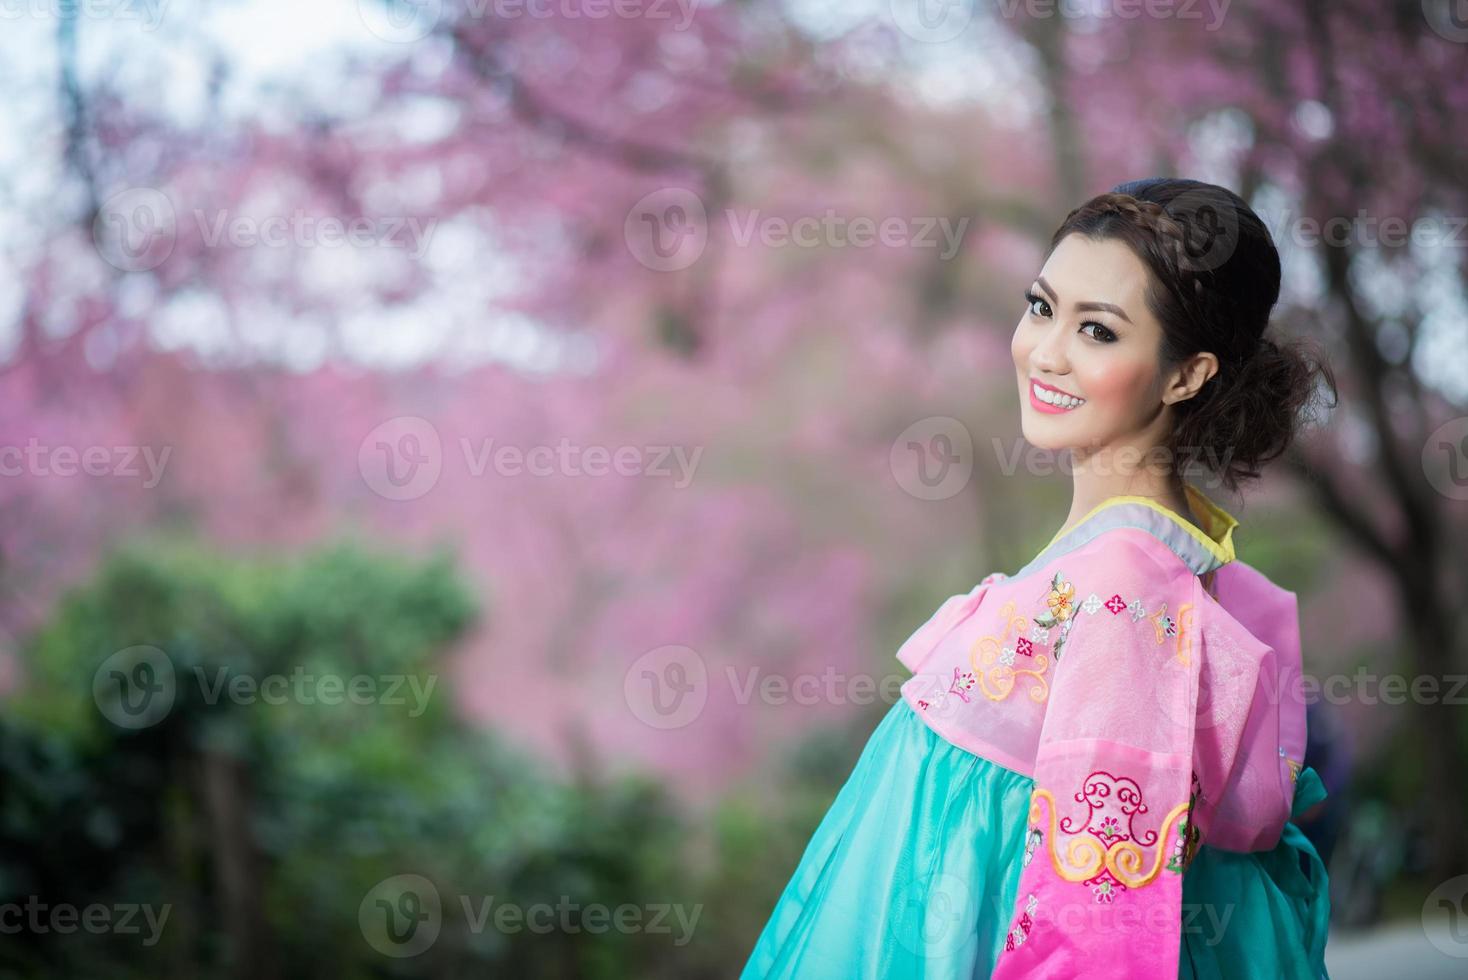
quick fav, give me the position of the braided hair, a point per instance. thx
(1214, 277)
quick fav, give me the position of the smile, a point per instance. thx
(1052, 401)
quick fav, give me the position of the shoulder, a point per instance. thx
(1127, 557)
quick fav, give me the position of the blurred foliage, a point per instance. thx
(263, 827)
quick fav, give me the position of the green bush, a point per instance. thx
(263, 828)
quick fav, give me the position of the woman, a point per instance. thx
(1093, 768)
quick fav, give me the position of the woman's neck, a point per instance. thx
(1089, 493)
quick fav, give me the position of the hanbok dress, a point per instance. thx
(1091, 772)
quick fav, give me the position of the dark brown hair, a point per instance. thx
(1214, 278)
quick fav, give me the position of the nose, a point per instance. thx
(1048, 355)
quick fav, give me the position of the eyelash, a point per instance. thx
(1031, 298)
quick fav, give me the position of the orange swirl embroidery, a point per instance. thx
(996, 678)
(1184, 624)
(1085, 855)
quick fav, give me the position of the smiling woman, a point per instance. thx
(1093, 768)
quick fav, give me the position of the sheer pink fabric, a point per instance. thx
(1150, 716)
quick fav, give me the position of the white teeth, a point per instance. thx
(1055, 398)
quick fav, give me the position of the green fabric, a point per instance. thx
(913, 873)
(1258, 915)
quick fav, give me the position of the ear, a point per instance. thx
(1188, 378)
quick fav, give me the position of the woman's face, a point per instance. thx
(1087, 333)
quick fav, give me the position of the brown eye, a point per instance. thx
(1106, 335)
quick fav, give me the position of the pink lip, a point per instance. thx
(1040, 406)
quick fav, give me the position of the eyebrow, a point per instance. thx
(1083, 307)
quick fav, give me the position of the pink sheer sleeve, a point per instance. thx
(1108, 836)
(914, 651)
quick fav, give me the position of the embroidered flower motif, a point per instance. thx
(1116, 604)
(1136, 609)
(1164, 624)
(961, 683)
(1040, 634)
(1065, 628)
(993, 659)
(1185, 846)
(1032, 841)
(1092, 603)
(1021, 931)
(1105, 852)
(1061, 600)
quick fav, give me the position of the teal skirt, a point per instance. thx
(913, 870)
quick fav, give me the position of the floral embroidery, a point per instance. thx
(1166, 626)
(962, 682)
(1185, 624)
(1136, 609)
(1104, 851)
(1186, 845)
(1032, 841)
(1092, 603)
(1060, 600)
(1115, 604)
(993, 660)
(1021, 931)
